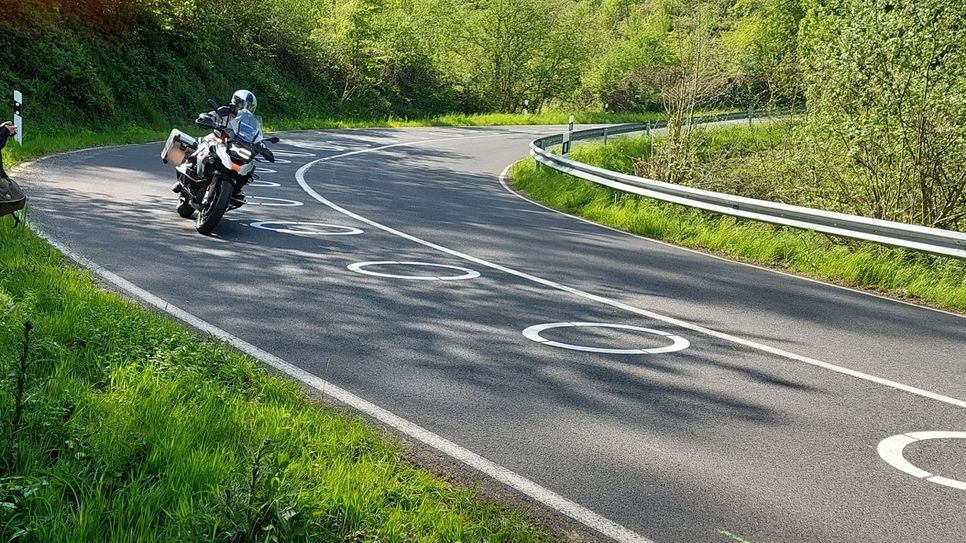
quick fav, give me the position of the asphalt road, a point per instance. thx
(765, 426)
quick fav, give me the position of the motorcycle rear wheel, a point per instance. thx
(210, 215)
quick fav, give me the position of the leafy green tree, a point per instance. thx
(621, 74)
(885, 82)
(763, 45)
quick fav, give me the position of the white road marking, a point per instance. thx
(403, 426)
(533, 333)
(890, 449)
(272, 202)
(334, 229)
(259, 169)
(260, 183)
(294, 154)
(360, 267)
(300, 177)
(315, 145)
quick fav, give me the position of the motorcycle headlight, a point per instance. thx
(241, 152)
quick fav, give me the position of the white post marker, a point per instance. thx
(526, 107)
(18, 115)
(566, 137)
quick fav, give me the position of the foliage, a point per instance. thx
(764, 46)
(886, 87)
(91, 62)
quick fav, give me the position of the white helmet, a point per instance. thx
(244, 99)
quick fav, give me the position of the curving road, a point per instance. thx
(742, 401)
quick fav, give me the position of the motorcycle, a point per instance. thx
(212, 171)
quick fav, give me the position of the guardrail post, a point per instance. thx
(605, 136)
(18, 115)
(571, 123)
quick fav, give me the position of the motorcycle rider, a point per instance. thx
(242, 100)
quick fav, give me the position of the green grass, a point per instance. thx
(39, 145)
(135, 430)
(896, 272)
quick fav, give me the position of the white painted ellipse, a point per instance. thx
(361, 267)
(678, 343)
(305, 228)
(260, 183)
(890, 449)
(272, 202)
(294, 154)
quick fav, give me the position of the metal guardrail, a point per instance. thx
(910, 236)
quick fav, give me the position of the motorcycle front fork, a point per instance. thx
(209, 191)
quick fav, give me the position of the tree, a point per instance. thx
(690, 76)
(763, 45)
(885, 82)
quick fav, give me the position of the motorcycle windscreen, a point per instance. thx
(246, 127)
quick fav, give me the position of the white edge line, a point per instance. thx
(496, 471)
(300, 178)
(503, 181)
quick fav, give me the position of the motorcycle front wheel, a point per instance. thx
(210, 214)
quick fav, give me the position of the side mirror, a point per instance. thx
(212, 105)
(269, 155)
(273, 139)
(223, 111)
(204, 121)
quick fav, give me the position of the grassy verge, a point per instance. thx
(896, 272)
(43, 143)
(123, 426)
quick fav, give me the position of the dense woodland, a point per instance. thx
(108, 58)
(884, 80)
